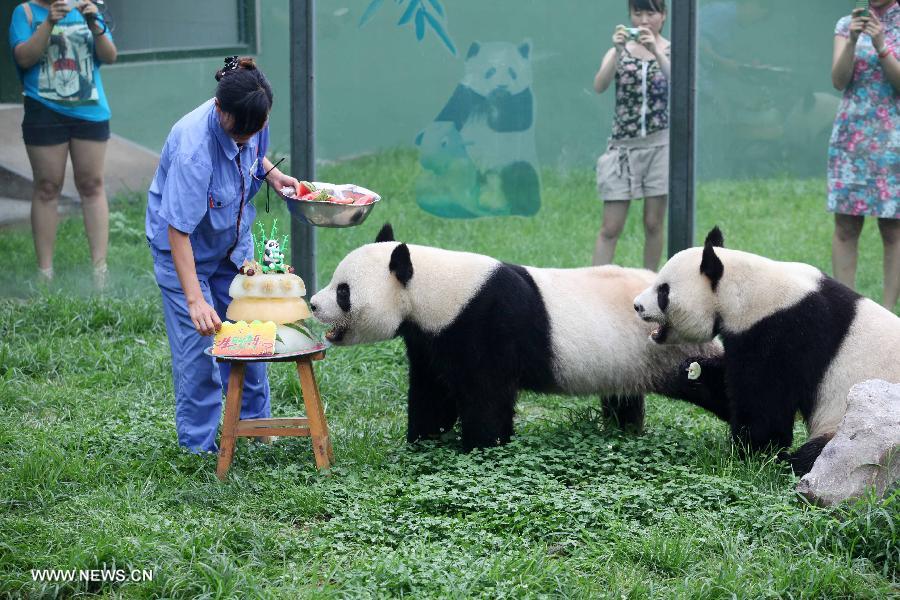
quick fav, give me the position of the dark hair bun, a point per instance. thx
(233, 63)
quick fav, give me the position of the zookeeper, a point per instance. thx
(199, 217)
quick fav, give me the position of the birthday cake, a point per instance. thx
(267, 298)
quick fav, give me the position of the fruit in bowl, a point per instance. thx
(311, 193)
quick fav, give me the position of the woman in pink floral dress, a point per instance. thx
(636, 162)
(864, 152)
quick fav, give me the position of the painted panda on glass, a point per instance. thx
(481, 146)
(478, 330)
(795, 340)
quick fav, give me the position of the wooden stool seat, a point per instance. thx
(313, 425)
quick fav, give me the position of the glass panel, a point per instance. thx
(765, 100)
(140, 26)
(486, 98)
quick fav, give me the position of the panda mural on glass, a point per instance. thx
(478, 156)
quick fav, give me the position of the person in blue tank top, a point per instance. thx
(58, 48)
(199, 214)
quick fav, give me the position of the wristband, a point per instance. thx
(884, 52)
(103, 31)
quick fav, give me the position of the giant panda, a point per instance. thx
(795, 340)
(478, 330)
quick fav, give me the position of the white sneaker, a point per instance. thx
(45, 275)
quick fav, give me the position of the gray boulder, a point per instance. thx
(865, 451)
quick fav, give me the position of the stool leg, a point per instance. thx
(232, 416)
(318, 426)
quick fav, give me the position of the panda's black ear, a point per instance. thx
(386, 234)
(711, 265)
(474, 49)
(715, 238)
(401, 264)
(525, 48)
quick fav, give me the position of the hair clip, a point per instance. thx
(231, 63)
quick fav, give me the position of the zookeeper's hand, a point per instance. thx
(204, 317)
(875, 29)
(279, 180)
(647, 40)
(58, 11)
(857, 24)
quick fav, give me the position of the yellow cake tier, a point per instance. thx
(277, 310)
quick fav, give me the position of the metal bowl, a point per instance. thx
(330, 214)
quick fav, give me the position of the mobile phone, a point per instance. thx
(864, 5)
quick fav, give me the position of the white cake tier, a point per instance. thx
(273, 285)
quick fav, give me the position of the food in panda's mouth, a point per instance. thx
(659, 334)
(335, 334)
(271, 293)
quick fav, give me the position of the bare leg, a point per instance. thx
(48, 165)
(87, 162)
(844, 248)
(890, 235)
(654, 219)
(614, 215)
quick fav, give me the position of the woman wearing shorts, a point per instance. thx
(58, 48)
(636, 162)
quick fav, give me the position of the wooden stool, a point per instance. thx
(312, 425)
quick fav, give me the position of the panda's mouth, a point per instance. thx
(660, 334)
(336, 334)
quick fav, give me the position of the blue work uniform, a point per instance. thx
(203, 187)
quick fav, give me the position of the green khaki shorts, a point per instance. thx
(634, 168)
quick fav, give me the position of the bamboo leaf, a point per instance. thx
(420, 24)
(439, 30)
(370, 11)
(408, 13)
(436, 5)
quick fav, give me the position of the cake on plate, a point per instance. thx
(270, 293)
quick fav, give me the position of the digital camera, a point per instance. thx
(633, 33)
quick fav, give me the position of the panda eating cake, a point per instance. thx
(267, 292)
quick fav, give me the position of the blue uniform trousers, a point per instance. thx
(198, 381)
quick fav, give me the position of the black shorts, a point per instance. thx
(45, 127)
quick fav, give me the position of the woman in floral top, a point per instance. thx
(636, 162)
(864, 152)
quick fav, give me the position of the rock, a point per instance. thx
(865, 451)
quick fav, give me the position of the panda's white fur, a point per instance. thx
(487, 329)
(794, 338)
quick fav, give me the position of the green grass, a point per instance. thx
(91, 475)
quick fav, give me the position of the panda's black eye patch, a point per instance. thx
(490, 73)
(343, 297)
(662, 296)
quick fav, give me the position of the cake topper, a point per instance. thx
(269, 248)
